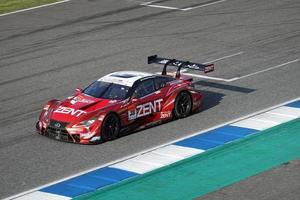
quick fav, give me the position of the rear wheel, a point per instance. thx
(183, 105)
(110, 127)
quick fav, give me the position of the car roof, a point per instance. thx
(127, 78)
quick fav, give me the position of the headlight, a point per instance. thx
(89, 122)
(47, 111)
(46, 107)
(46, 114)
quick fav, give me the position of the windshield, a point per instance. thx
(105, 90)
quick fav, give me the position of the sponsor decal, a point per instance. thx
(166, 114)
(81, 100)
(69, 111)
(112, 101)
(145, 109)
(101, 117)
(209, 68)
(73, 101)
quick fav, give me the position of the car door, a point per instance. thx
(162, 90)
(146, 101)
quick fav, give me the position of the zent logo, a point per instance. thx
(69, 111)
(145, 109)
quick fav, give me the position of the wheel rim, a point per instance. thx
(111, 127)
(183, 104)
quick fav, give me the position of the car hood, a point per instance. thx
(78, 108)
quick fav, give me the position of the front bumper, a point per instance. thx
(59, 132)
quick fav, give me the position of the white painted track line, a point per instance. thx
(211, 61)
(178, 151)
(291, 117)
(268, 123)
(135, 166)
(252, 124)
(270, 118)
(287, 111)
(274, 118)
(33, 8)
(241, 77)
(261, 71)
(149, 4)
(225, 57)
(157, 159)
(204, 5)
(164, 7)
(38, 195)
(207, 77)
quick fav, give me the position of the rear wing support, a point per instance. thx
(206, 68)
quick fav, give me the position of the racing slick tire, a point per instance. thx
(183, 105)
(111, 127)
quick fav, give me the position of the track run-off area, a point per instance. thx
(47, 52)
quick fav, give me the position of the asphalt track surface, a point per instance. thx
(46, 53)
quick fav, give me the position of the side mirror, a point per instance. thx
(78, 91)
(134, 98)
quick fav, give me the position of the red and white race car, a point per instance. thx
(121, 102)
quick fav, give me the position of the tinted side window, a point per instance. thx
(161, 82)
(144, 88)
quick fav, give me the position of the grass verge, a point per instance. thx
(14, 5)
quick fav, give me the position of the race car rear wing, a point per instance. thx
(206, 68)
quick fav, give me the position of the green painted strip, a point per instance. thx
(212, 170)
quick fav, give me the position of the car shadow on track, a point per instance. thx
(224, 86)
(211, 99)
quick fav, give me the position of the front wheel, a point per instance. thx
(110, 127)
(183, 105)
